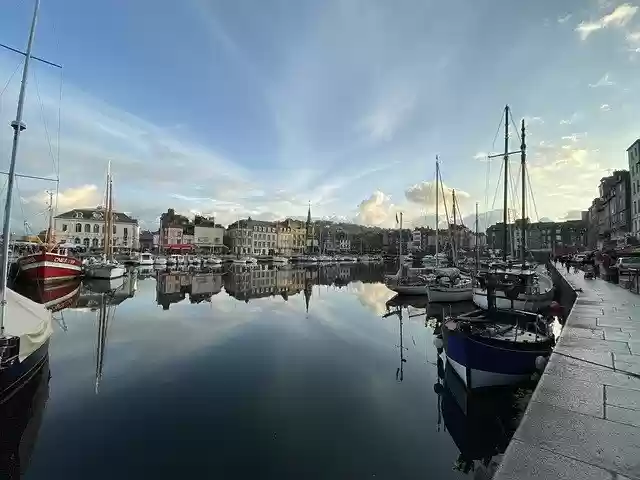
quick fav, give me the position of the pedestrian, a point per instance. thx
(568, 265)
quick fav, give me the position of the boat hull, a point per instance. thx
(448, 294)
(106, 272)
(410, 289)
(49, 267)
(482, 363)
(12, 377)
(527, 303)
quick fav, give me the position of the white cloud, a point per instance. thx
(533, 120)
(481, 156)
(376, 210)
(424, 194)
(605, 81)
(619, 17)
(570, 120)
(565, 18)
(575, 137)
(605, 107)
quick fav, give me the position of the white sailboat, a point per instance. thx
(25, 326)
(521, 288)
(107, 266)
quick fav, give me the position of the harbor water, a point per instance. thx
(264, 373)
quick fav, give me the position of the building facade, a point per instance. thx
(615, 192)
(258, 237)
(86, 226)
(633, 155)
(556, 237)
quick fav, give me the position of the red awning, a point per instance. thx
(189, 246)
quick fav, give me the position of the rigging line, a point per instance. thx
(4, 89)
(533, 198)
(495, 196)
(24, 218)
(44, 121)
(55, 212)
(515, 129)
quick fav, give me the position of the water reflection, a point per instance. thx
(241, 358)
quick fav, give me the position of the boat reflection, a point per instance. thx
(55, 296)
(21, 417)
(481, 424)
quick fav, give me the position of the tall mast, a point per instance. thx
(110, 218)
(453, 230)
(17, 126)
(523, 167)
(437, 195)
(477, 253)
(506, 181)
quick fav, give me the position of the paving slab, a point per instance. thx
(583, 420)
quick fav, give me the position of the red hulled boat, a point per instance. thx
(51, 266)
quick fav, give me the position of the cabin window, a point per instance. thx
(87, 228)
(78, 228)
(96, 228)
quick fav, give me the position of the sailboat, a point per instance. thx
(54, 263)
(518, 288)
(499, 346)
(25, 326)
(107, 267)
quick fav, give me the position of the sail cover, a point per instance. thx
(28, 320)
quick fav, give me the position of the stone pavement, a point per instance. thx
(583, 421)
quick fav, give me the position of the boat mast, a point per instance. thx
(477, 253)
(105, 233)
(437, 194)
(110, 218)
(452, 229)
(523, 167)
(506, 181)
(49, 238)
(17, 126)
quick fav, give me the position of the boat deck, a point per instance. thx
(583, 420)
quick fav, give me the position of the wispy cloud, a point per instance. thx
(604, 81)
(570, 120)
(533, 120)
(565, 18)
(605, 107)
(619, 17)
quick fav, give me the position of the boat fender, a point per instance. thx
(541, 362)
(438, 343)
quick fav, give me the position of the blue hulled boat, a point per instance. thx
(495, 348)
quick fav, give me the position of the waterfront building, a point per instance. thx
(633, 156)
(85, 226)
(259, 237)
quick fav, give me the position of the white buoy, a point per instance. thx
(438, 343)
(541, 362)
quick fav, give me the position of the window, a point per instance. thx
(102, 242)
(94, 242)
(77, 241)
(114, 229)
(85, 242)
(126, 232)
(78, 228)
(634, 188)
(96, 228)
(64, 227)
(87, 228)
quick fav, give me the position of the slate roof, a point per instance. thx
(95, 214)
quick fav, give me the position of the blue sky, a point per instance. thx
(257, 107)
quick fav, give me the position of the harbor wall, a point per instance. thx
(565, 293)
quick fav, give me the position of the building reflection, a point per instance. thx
(174, 286)
(246, 283)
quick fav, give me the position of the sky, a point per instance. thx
(256, 108)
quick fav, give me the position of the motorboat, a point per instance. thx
(213, 260)
(145, 259)
(447, 285)
(160, 261)
(496, 348)
(175, 259)
(104, 268)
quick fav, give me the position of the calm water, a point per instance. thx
(277, 374)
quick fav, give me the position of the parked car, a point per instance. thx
(626, 263)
